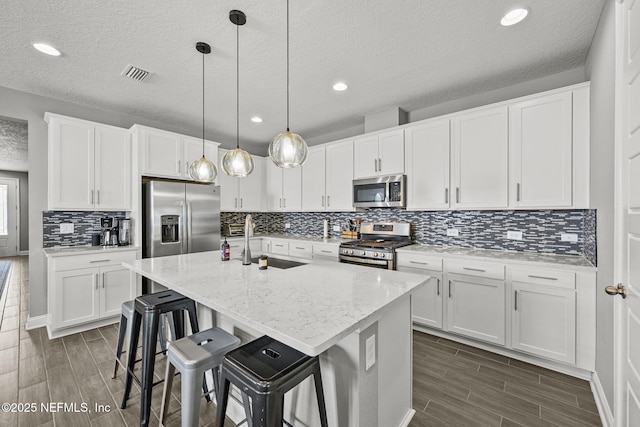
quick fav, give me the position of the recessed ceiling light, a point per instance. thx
(339, 87)
(45, 48)
(256, 119)
(514, 16)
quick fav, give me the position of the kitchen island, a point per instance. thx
(357, 319)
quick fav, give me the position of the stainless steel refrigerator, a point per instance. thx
(179, 218)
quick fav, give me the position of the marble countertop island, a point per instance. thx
(309, 307)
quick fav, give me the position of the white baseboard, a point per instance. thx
(23, 253)
(606, 416)
(407, 419)
(36, 322)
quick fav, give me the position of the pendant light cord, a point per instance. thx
(287, 65)
(202, 104)
(237, 86)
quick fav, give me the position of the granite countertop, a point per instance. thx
(310, 307)
(498, 255)
(286, 236)
(85, 250)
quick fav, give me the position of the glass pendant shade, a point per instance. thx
(288, 150)
(237, 162)
(203, 170)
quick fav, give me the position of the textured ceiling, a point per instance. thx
(406, 53)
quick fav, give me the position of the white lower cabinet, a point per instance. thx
(301, 249)
(326, 251)
(426, 303)
(88, 288)
(280, 247)
(236, 247)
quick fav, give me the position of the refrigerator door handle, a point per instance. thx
(189, 219)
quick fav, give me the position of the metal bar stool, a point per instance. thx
(148, 309)
(192, 356)
(124, 331)
(265, 369)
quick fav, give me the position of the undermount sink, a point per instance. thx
(280, 263)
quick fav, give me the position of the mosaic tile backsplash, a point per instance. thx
(541, 229)
(84, 224)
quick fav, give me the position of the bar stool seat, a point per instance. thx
(147, 311)
(265, 369)
(192, 356)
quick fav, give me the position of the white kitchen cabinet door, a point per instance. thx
(228, 189)
(192, 151)
(391, 152)
(112, 168)
(476, 308)
(71, 164)
(313, 181)
(273, 190)
(544, 321)
(161, 154)
(365, 157)
(540, 144)
(115, 288)
(251, 188)
(427, 163)
(339, 176)
(480, 159)
(280, 247)
(427, 302)
(292, 189)
(75, 295)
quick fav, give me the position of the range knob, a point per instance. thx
(363, 253)
(375, 254)
(351, 252)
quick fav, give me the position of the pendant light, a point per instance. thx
(288, 149)
(203, 170)
(237, 162)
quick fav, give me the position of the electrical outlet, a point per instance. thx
(514, 235)
(453, 232)
(66, 228)
(336, 228)
(568, 237)
(287, 225)
(370, 358)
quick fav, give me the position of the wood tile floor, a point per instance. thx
(454, 385)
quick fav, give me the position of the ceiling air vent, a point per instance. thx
(135, 73)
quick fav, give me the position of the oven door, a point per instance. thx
(369, 262)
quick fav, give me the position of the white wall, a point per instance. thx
(31, 108)
(600, 68)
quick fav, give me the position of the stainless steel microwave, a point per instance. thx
(381, 192)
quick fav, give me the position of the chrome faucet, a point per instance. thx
(249, 225)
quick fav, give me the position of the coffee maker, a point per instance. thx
(124, 231)
(109, 227)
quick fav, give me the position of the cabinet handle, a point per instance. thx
(97, 197)
(438, 286)
(379, 165)
(515, 300)
(241, 202)
(450, 286)
(298, 247)
(99, 260)
(446, 195)
(284, 203)
(517, 192)
(542, 277)
(323, 201)
(95, 279)
(279, 246)
(375, 164)
(326, 252)
(103, 280)
(418, 262)
(280, 202)
(474, 269)
(91, 196)
(179, 171)
(457, 194)
(328, 201)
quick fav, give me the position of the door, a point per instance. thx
(627, 215)
(192, 151)
(339, 176)
(162, 154)
(480, 159)
(292, 189)
(115, 288)
(112, 168)
(75, 297)
(391, 153)
(427, 162)
(250, 188)
(540, 144)
(273, 189)
(365, 157)
(8, 217)
(427, 302)
(228, 188)
(313, 181)
(202, 221)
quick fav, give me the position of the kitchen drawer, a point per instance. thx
(325, 250)
(301, 249)
(560, 279)
(422, 262)
(74, 262)
(478, 269)
(279, 247)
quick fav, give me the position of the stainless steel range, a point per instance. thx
(377, 245)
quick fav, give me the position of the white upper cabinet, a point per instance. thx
(284, 188)
(89, 165)
(242, 194)
(327, 178)
(168, 155)
(427, 162)
(379, 154)
(479, 167)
